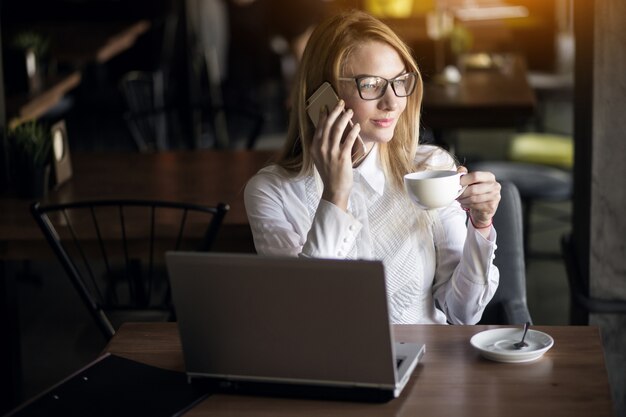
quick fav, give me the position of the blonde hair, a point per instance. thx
(324, 59)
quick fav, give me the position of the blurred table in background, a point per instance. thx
(202, 176)
(491, 96)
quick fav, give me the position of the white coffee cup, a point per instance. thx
(433, 189)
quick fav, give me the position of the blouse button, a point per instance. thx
(340, 253)
(345, 240)
(351, 227)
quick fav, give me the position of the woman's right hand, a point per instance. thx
(332, 156)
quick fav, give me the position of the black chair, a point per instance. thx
(113, 252)
(581, 303)
(508, 305)
(148, 118)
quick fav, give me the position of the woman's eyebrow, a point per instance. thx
(403, 72)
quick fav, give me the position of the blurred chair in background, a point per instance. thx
(543, 148)
(113, 252)
(153, 97)
(147, 115)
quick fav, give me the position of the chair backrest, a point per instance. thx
(508, 305)
(147, 115)
(113, 252)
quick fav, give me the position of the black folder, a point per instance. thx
(116, 386)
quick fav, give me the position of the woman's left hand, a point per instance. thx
(481, 197)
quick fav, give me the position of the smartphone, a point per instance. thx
(325, 96)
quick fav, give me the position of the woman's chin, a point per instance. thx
(379, 138)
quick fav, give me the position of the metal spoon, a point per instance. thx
(521, 343)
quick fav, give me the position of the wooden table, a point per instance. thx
(484, 98)
(205, 177)
(452, 380)
(201, 176)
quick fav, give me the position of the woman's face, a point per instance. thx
(378, 118)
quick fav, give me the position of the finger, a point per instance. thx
(482, 201)
(331, 120)
(340, 127)
(462, 170)
(478, 177)
(351, 137)
(335, 113)
(481, 190)
(482, 198)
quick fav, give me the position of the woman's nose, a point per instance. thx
(389, 101)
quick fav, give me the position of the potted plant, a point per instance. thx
(33, 48)
(29, 145)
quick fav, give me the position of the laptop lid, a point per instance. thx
(245, 317)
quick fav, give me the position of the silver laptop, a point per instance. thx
(270, 325)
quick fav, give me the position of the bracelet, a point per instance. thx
(482, 227)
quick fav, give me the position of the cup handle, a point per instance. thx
(462, 188)
(460, 192)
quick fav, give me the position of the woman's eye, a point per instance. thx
(368, 84)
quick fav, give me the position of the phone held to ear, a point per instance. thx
(325, 96)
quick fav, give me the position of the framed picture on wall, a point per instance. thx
(60, 153)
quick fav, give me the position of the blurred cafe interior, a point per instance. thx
(124, 94)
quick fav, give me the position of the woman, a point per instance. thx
(316, 201)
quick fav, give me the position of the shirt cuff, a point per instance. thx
(479, 251)
(333, 232)
(490, 239)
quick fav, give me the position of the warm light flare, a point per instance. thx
(489, 13)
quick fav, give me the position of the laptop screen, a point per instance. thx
(251, 317)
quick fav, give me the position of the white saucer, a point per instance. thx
(497, 344)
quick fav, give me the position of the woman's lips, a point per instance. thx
(382, 122)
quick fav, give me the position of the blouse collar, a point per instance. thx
(372, 172)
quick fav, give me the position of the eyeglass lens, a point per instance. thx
(371, 88)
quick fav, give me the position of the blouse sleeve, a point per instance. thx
(465, 277)
(281, 224)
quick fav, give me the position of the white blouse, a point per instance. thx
(437, 271)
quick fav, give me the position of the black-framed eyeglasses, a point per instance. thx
(372, 87)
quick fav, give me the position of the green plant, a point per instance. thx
(31, 40)
(30, 142)
(461, 40)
